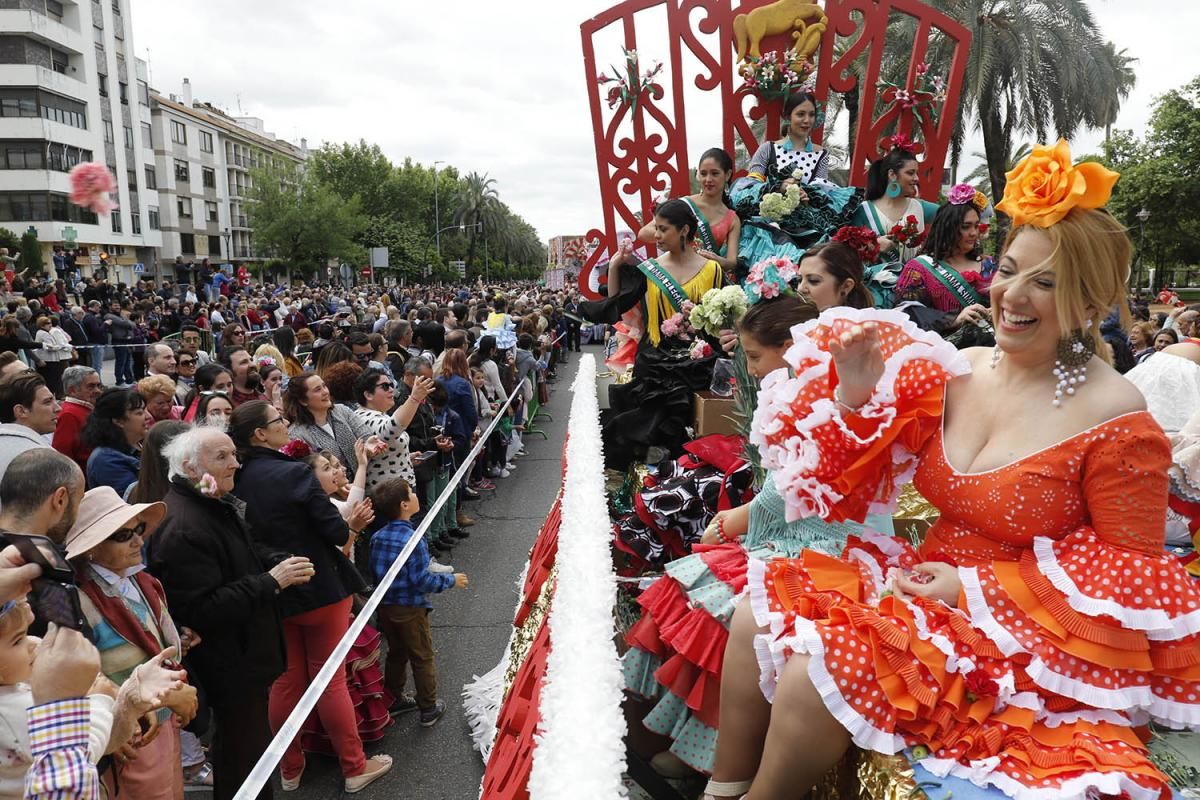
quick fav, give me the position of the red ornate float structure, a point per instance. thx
(642, 146)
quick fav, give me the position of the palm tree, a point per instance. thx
(477, 206)
(1031, 69)
(1115, 79)
(980, 173)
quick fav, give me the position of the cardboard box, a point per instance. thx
(714, 415)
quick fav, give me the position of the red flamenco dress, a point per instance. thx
(364, 679)
(1073, 628)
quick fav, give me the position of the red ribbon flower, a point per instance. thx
(980, 684)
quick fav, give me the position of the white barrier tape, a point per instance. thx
(270, 758)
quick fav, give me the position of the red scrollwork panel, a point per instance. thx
(642, 148)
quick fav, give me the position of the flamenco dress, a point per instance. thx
(671, 511)
(883, 275)
(678, 645)
(829, 206)
(1073, 627)
(364, 680)
(655, 407)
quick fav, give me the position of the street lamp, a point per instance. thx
(437, 222)
(1142, 217)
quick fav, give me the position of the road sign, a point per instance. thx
(69, 235)
(379, 257)
(139, 268)
(95, 259)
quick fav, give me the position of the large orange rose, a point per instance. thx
(1045, 186)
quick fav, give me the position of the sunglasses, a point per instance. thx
(385, 386)
(123, 535)
(186, 362)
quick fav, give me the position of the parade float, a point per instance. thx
(665, 80)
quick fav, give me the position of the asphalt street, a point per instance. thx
(470, 628)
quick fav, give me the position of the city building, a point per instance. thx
(203, 159)
(71, 91)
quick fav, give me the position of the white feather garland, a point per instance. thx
(484, 695)
(579, 748)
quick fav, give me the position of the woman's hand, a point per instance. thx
(188, 639)
(375, 446)
(942, 583)
(885, 244)
(292, 571)
(859, 363)
(972, 314)
(421, 389)
(184, 702)
(729, 341)
(362, 515)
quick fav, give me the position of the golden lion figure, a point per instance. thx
(804, 19)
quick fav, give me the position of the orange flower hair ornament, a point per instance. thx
(1045, 186)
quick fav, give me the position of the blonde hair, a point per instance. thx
(1091, 254)
(270, 351)
(156, 384)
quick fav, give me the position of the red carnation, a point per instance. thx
(296, 448)
(980, 684)
(911, 219)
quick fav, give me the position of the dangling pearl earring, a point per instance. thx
(1074, 353)
(997, 353)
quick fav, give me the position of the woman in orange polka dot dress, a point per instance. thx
(1041, 622)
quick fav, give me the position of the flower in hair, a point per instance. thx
(961, 194)
(899, 141)
(92, 186)
(1046, 186)
(265, 361)
(861, 240)
(207, 485)
(296, 448)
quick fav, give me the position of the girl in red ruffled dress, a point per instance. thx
(1041, 621)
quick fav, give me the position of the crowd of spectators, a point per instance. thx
(256, 462)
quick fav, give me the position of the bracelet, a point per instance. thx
(837, 398)
(721, 532)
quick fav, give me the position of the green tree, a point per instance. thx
(9, 240)
(31, 253)
(303, 221)
(1157, 174)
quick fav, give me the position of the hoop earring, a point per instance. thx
(1074, 353)
(893, 189)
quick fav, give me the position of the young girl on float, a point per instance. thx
(795, 168)
(717, 226)
(1040, 621)
(677, 645)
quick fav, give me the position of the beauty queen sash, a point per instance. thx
(702, 227)
(952, 281)
(670, 288)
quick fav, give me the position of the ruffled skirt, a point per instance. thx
(364, 679)
(1024, 689)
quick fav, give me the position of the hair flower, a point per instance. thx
(296, 448)
(1045, 186)
(961, 194)
(207, 485)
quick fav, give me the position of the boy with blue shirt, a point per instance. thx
(404, 614)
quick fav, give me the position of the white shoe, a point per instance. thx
(435, 566)
(510, 466)
(504, 473)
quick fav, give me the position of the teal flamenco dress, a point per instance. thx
(829, 206)
(678, 646)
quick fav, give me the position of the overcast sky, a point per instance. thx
(490, 86)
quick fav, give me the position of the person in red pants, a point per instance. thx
(288, 510)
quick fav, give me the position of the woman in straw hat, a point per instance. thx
(127, 611)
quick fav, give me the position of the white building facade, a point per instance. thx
(71, 91)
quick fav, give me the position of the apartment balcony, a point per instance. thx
(242, 252)
(41, 27)
(68, 84)
(238, 221)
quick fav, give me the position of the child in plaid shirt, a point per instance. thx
(404, 614)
